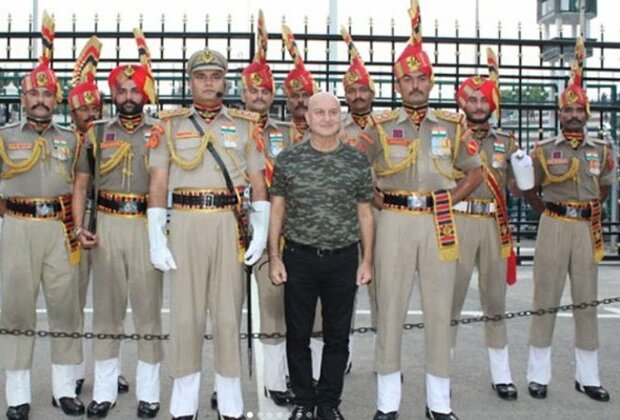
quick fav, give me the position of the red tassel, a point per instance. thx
(511, 269)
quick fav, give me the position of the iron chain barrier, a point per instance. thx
(359, 330)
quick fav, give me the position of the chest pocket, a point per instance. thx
(19, 154)
(399, 148)
(187, 148)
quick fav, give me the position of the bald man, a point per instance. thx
(321, 201)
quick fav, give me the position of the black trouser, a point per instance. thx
(331, 278)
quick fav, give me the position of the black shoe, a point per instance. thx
(328, 412)
(122, 384)
(302, 413)
(434, 415)
(214, 400)
(279, 398)
(78, 386)
(598, 393)
(380, 415)
(536, 390)
(506, 392)
(18, 412)
(69, 406)
(100, 410)
(147, 410)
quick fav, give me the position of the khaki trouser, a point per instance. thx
(480, 247)
(209, 277)
(405, 244)
(84, 276)
(564, 247)
(34, 253)
(121, 268)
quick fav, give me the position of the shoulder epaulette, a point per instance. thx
(11, 125)
(602, 142)
(543, 142)
(454, 117)
(244, 114)
(179, 112)
(384, 116)
(280, 123)
(65, 128)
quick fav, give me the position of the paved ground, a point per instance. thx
(472, 394)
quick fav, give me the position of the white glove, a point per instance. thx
(523, 169)
(161, 257)
(259, 220)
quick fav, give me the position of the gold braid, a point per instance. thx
(123, 152)
(412, 154)
(572, 172)
(187, 165)
(25, 165)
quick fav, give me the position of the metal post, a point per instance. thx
(333, 46)
(35, 26)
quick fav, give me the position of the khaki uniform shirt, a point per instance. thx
(353, 133)
(51, 174)
(129, 174)
(593, 163)
(181, 148)
(435, 150)
(495, 151)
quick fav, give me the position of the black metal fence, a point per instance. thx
(530, 83)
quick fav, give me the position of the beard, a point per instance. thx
(130, 108)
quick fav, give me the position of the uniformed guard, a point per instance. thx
(38, 240)
(257, 95)
(120, 249)
(575, 172)
(85, 105)
(206, 156)
(299, 86)
(418, 154)
(482, 223)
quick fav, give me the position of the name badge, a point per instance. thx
(440, 143)
(229, 135)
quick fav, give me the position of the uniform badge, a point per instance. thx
(398, 133)
(229, 134)
(594, 163)
(109, 137)
(276, 142)
(499, 160)
(472, 147)
(147, 135)
(557, 158)
(440, 143)
(499, 146)
(61, 149)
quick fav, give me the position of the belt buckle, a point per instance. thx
(414, 202)
(477, 208)
(572, 212)
(43, 209)
(128, 207)
(208, 200)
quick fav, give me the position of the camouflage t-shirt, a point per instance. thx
(321, 191)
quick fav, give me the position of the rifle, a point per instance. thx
(239, 217)
(95, 168)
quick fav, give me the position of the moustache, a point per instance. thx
(42, 106)
(414, 91)
(129, 102)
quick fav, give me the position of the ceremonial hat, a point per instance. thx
(574, 92)
(85, 90)
(413, 58)
(489, 87)
(299, 79)
(356, 73)
(258, 74)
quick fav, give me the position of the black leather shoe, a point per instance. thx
(78, 386)
(301, 412)
(100, 410)
(434, 415)
(147, 410)
(536, 390)
(214, 400)
(18, 412)
(598, 393)
(506, 392)
(122, 384)
(380, 415)
(69, 406)
(279, 398)
(328, 412)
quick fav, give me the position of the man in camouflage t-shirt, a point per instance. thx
(321, 194)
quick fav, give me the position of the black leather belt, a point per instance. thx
(410, 202)
(204, 200)
(34, 208)
(572, 212)
(121, 204)
(319, 252)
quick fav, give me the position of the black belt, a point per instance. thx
(205, 200)
(319, 252)
(34, 208)
(569, 211)
(124, 205)
(412, 202)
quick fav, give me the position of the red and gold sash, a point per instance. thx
(445, 226)
(596, 230)
(71, 241)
